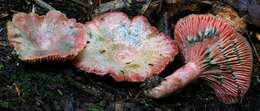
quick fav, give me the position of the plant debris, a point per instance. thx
(60, 86)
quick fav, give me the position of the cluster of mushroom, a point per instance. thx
(133, 50)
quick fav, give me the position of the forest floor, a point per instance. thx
(60, 86)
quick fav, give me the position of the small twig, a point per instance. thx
(116, 4)
(166, 27)
(1, 29)
(254, 49)
(146, 6)
(2, 41)
(257, 79)
(44, 4)
(138, 94)
(3, 15)
(17, 89)
(33, 9)
(82, 3)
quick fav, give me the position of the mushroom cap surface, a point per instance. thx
(43, 38)
(126, 49)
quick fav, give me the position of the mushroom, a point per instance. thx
(49, 37)
(214, 52)
(127, 49)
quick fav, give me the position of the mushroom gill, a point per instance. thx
(213, 51)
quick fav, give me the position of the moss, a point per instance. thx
(40, 83)
(8, 104)
(1, 67)
(95, 108)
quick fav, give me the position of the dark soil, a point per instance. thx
(60, 86)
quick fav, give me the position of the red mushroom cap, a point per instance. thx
(223, 55)
(49, 37)
(213, 51)
(128, 50)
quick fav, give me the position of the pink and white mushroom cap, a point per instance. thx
(49, 37)
(127, 49)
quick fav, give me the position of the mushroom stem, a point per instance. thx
(176, 81)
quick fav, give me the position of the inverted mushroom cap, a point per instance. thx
(128, 50)
(223, 56)
(49, 37)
